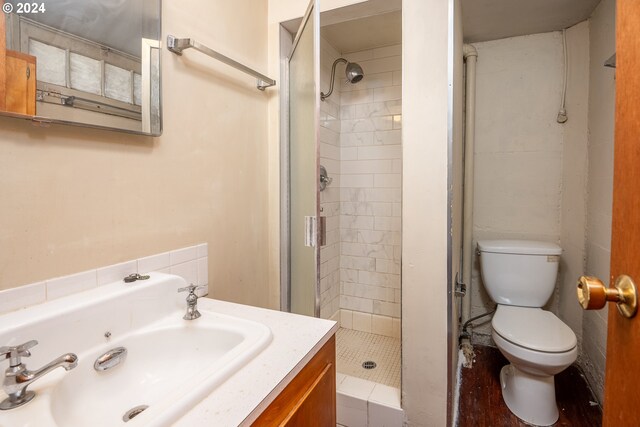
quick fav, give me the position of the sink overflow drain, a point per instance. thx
(369, 364)
(133, 412)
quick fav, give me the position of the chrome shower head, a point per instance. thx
(353, 73)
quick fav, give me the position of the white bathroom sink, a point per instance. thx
(171, 363)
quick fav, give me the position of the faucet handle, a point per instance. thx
(191, 288)
(16, 352)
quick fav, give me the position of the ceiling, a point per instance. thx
(365, 33)
(376, 23)
(497, 19)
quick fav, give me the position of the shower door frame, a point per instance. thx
(312, 13)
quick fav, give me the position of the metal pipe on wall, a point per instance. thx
(470, 55)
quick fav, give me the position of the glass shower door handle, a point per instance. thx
(313, 228)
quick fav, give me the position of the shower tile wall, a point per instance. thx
(370, 193)
(330, 197)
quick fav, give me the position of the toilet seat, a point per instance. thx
(533, 328)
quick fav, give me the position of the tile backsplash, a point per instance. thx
(191, 263)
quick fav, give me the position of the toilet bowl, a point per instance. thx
(544, 346)
(520, 276)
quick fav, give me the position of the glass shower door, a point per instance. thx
(304, 199)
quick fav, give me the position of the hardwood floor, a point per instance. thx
(481, 403)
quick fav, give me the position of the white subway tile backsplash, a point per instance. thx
(22, 297)
(116, 272)
(183, 255)
(154, 263)
(203, 271)
(66, 285)
(187, 270)
(203, 250)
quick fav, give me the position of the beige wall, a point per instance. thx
(75, 199)
(424, 213)
(600, 184)
(518, 148)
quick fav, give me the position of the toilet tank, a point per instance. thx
(519, 272)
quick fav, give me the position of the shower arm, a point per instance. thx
(323, 96)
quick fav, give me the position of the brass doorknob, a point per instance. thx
(593, 294)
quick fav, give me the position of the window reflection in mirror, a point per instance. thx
(87, 62)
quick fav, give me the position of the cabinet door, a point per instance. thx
(315, 408)
(310, 398)
(20, 83)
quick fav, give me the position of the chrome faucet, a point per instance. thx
(192, 302)
(17, 377)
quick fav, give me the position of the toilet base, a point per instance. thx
(531, 398)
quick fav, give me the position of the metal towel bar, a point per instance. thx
(177, 45)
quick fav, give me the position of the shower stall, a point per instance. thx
(341, 185)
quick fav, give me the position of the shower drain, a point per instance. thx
(369, 364)
(133, 412)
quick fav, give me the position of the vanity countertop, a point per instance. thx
(243, 397)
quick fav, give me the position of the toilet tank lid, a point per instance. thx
(528, 247)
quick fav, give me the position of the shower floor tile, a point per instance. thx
(355, 347)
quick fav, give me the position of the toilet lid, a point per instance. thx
(533, 328)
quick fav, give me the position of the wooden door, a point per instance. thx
(622, 382)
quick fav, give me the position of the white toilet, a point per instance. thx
(520, 276)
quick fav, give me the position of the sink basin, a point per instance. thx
(171, 363)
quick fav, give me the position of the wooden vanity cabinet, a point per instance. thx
(310, 398)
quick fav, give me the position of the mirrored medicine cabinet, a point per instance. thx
(93, 63)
